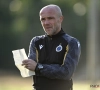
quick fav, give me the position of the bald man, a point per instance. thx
(53, 56)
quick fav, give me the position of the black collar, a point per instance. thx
(61, 32)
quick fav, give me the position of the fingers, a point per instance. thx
(25, 62)
(29, 64)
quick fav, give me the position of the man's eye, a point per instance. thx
(50, 18)
(42, 19)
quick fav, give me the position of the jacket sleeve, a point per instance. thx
(32, 50)
(65, 71)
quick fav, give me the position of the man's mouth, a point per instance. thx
(47, 27)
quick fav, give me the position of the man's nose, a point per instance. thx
(46, 22)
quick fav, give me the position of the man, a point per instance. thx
(53, 56)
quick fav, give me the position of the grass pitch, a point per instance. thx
(12, 82)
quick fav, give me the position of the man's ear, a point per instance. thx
(61, 18)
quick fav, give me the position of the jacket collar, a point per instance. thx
(61, 32)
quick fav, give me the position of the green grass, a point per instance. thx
(15, 83)
(19, 83)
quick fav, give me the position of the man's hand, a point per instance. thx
(29, 64)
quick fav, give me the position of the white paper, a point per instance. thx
(20, 55)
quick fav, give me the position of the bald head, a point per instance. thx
(52, 7)
(51, 19)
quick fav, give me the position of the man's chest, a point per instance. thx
(51, 51)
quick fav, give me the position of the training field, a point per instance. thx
(13, 82)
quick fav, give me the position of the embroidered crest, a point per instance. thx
(58, 48)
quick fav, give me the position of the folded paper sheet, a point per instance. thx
(20, 55)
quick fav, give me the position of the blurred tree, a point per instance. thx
(6, 34)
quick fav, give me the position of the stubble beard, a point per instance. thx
(52, 32)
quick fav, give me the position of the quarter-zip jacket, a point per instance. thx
(59, 54)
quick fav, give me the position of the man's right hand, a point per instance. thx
(29, 64)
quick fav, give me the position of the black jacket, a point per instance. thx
(59, 55)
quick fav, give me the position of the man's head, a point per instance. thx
(51, 19)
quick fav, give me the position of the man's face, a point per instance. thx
(50, 21)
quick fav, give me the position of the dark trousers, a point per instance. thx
(51, 89)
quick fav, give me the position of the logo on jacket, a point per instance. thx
(58, 48)
(40, 46)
